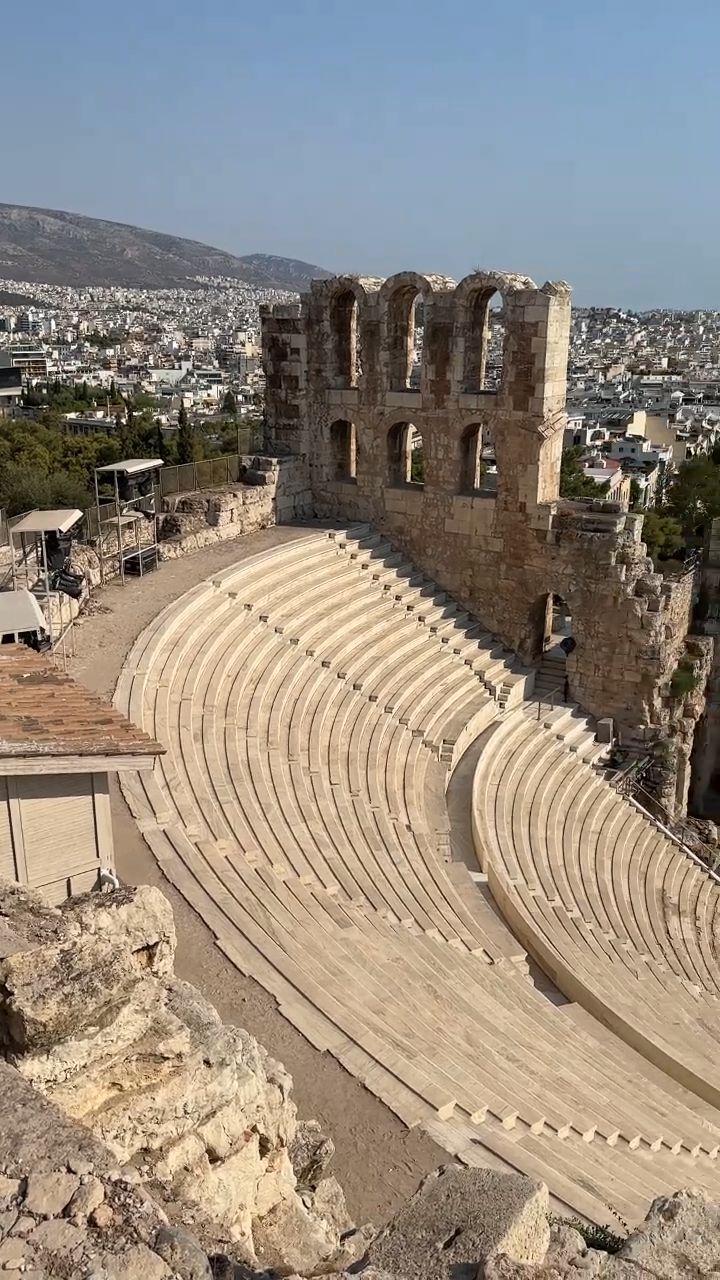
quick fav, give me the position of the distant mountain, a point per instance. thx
(53, 247)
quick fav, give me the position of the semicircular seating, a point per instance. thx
(621, 918)
(312, 700)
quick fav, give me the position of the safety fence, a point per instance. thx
(210, 473)
(207, 473)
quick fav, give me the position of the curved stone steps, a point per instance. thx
(530, 873)
(305, 822)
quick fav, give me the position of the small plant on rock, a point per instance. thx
(595, 1237)
(683, 679)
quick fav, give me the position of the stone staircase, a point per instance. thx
(550, 675)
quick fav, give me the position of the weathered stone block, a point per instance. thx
(460, 1218)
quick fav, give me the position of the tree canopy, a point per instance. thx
(229, 404)
(662, 533)
(574, 483)
(41, 467)
(694, 495)
(187, 444)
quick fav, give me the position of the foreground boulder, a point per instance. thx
(460, 1218)
(93, 1017)
(141, 1139)
(679, 1239)
(65, 1208)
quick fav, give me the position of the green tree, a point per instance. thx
(694, 495)
(161, 449)
(662, 534)
(634, 493)
(417, 466)
(229, 404)
(42, 467)
(186, 442)
(573, 481)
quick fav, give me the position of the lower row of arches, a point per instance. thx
(405, 457)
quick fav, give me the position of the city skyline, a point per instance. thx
(570, 143)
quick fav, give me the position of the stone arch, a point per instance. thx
(344, 344)
(478, 464)
(346, 309)
(341, 309)
(343, 451)
(405, 456)
(552, 618)
(400, 297)
(483, 348)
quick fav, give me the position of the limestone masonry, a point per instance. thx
(342, 397)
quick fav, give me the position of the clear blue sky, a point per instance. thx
(563, 138)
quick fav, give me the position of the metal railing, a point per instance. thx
(678, 830)
(689, 566)
(628, 776)
(95, 517)
(209, 473)
(549, 700)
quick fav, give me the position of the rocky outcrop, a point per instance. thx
(460, 1217)
(67, 1211)
(93, 1017)
(141, 1139)
(481, 1225)
(679, 1240)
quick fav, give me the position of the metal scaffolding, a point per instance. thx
(135, 503)
(34, 531)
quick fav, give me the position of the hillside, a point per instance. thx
(52, 247)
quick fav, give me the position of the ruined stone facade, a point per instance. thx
(342, 397)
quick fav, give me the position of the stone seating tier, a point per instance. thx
(313, 701)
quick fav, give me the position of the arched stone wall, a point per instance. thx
(498, 552)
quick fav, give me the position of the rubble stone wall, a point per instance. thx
(339, 397)
(273, 491)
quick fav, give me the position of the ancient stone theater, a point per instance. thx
(387, 787)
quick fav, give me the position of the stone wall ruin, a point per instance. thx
(351, 392)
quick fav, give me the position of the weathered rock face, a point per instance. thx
(92, 1016)
(482, 1225)
(65, 1209)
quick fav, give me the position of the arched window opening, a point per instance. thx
(345, 340)
(406, 327)
(406, 457)
(550, 644)
(343, 445)
(478, 465)
(558, 626)
(484, 343)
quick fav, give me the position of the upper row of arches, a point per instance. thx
(404, 303)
